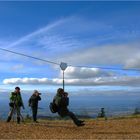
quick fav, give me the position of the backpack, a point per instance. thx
(53, 107)
(11, 104)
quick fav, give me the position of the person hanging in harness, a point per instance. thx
(62, 101)
(15, 104)
(33, 103)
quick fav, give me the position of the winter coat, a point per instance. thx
(62, 104)
(33, 101)
(57, 99)
(16, 99)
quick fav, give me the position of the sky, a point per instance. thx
(83, 33)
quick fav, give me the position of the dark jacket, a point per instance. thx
(62, 104)
(16, 99)
(57, 99)
(33, 101)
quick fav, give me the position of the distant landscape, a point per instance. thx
(87, 104)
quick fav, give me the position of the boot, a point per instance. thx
(81, 121)
(8, 119)
(79, 124)
(18, 120)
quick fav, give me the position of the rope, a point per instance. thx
(52, 62)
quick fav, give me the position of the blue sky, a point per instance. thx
(79, 33)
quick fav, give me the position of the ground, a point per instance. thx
(126, 128)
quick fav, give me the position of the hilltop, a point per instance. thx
(120, 128)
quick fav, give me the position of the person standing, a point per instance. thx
(15, 104)
(62, 101)
(33, 103)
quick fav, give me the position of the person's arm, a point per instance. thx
(12, 98)
(67, 101)
(29, 102)
(64, 101)
(39, 98)
(22, 102)
(57, 100)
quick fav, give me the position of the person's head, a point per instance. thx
(102, 109)
(37, 93)
(65, 94)
(17, 89)
(60, 91)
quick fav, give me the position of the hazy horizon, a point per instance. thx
(83, 100)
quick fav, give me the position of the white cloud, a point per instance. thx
(26, 81)
(126, 55)
(84, 73)
(134, 61)
(106, 81)
(81, 77)
(33, 34)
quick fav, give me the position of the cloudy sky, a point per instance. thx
(91, 34)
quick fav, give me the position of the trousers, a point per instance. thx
(34, 112)
(15, 109)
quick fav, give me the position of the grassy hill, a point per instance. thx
(113, 128)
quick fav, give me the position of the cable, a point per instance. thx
(29, 56)
(40, 59)
(107, 68)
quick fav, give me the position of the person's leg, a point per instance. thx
(75, 119)
(10, 114)
(34, 112)
(18, 114)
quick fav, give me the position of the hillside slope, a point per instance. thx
(100, 129)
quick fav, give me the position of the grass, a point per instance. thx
(126, 117)
(127, 127)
